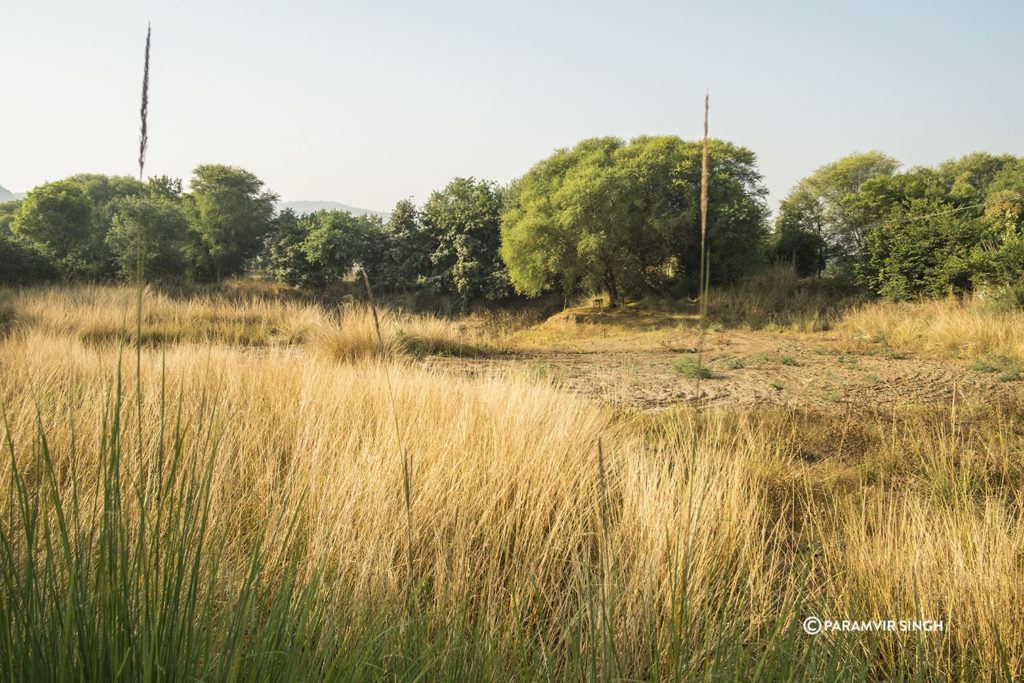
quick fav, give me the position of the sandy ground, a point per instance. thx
(750, 369)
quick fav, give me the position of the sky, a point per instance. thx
(367, 103)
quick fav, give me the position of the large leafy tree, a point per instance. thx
(567, 223)
(831, 204)
(625, 218)
(284, 256)
(230, 212)
(106, 193)
(922, 249)
(400, 256)
(737, 212)
(463, 223)
(57, 218)
(153, 227)
(336, 240)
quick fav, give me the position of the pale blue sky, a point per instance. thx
(367, 103)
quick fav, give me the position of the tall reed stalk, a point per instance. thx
(705, 276)
(406, 461)
(139, 228)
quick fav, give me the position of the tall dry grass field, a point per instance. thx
(690, 549)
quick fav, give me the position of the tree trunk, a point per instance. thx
(613, 292)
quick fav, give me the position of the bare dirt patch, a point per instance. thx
(747, 369)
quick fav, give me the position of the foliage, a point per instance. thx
(230, 213)
(57, 219)
(799, 235)
(21, 264)
(463, 224)
(284, 256)
(8, 212)
(830, 205)
(155, 224)
(399, 257)
(615, 216)
(687, 366)
(335, 241)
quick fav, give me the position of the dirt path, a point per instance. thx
(749, 369)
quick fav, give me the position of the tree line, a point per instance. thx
(922, 232)
(608, 215)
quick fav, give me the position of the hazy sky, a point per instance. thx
(367, 103)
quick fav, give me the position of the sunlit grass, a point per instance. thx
(693, 547)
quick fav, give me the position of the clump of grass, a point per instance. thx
(688, 366)
(539, 368)
(355, 336)
(833, 395)
(730, 362)
(777, 299)
(787, 359)
(1008, 368)
(982, 365)
(1010, 373)
(959, 328)
(759, 359)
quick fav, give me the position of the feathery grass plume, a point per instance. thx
(143, 141)
(144, 110)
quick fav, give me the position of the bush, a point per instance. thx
(23, 265)
(687, 366)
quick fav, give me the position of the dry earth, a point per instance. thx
(748, 368)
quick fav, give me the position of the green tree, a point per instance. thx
(400, 256)
(230, 213)
(737, 213)
(157, 225)
(57, 218)
(626, 218)
(21, 264)
(830, 203)
(463, 222)
(285, 255)
(336, 240)
(924, 248)
(106, 193)
(8, 212)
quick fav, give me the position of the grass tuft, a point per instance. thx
(688, 366)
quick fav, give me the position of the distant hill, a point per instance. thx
(8, 196)
(304, 206)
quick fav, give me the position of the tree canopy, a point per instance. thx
(626, 217)
(832, 210)
(229, 213)
(57, 219)
(462, 224)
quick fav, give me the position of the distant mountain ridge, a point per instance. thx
(310, 206)
(8, 196)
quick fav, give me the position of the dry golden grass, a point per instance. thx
(105, 315)
(949, 328)
(919, 516)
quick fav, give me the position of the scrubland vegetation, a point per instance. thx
(274, 494)
(244, 468)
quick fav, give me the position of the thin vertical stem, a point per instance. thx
(705, 276)
(406, 460)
